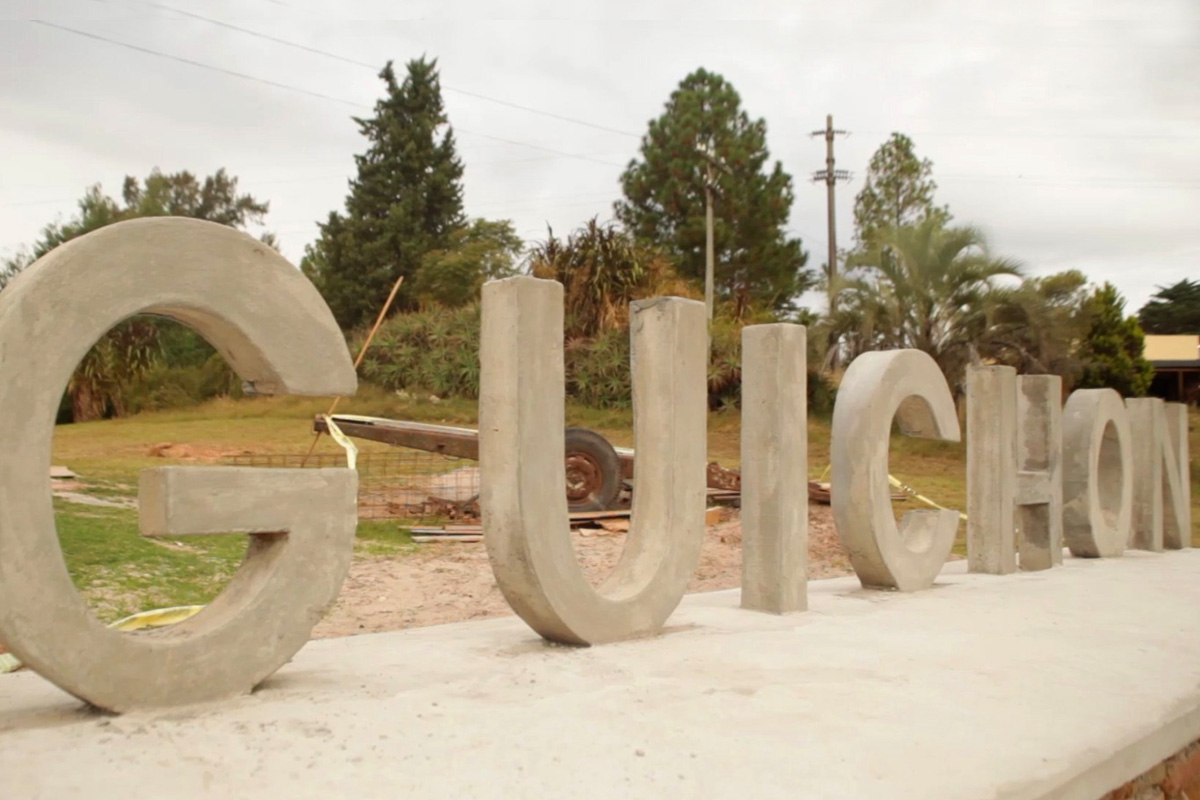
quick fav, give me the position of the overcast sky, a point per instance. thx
(1068, 131)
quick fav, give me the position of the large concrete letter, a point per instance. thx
(774, 469)
(991, 469)
(1161, 481)
(1039, 471)
(1097, 474)
(906, 385)
(270, 324)
(1177, 526)
(523, 487)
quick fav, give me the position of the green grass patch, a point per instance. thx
(120, 573)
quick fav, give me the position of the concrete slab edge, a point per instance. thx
(1093, 780)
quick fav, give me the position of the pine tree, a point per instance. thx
(898, 191)
(1173, 309)
(1112, 349)
(757, 263)
(405, 202)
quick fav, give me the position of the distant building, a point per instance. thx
(1176, 361)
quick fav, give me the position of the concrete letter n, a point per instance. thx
(1161, 479)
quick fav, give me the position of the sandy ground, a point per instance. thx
(452, 582)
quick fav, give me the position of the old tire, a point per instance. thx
(593, 471)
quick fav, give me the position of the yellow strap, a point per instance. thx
(344, 441)
(911, 492)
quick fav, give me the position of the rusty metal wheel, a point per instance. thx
(593, 471)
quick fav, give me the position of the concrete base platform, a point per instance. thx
(1057, 684)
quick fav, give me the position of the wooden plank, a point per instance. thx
(447, 538)
(616, 513)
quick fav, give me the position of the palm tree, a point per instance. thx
(602, 268)
(925, 286)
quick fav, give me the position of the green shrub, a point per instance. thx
(434, 351)
(437, 352)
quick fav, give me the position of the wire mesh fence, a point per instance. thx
(397, 484)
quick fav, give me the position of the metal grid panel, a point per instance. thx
(398, 484)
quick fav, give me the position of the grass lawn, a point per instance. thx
(120, 573)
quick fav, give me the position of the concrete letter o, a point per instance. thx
(523, 485)
(1097, 474)
(274, 329)
(906, 385)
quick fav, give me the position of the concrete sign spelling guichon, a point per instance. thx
(273, 328)
(1087, 474)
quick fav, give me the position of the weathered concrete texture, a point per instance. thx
(1161, 475)
(273, 328)
(1177, 522)
(908, 386)
(774, 468)
(523, 488)
(1039, 471)
(991, 469)
(1097, 474)
(1148, 427)
(868, 695)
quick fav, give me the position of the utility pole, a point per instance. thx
(709, 255)
(831, 176)
(711, 161)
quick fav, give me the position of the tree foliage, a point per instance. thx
(898, 191)
(1111, 351)
(757, 263)
(483, 251)
(926, 287)
(1173, 309)
(602, 270)
(405, 202)
(1040, 325)
(111, 369)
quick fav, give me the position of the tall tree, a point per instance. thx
(1111, 351)
(926, 287)
(898, 191)
(119, 359)
(1173, 309)
(757, 263)
(405, 202)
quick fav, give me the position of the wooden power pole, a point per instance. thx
(831, 176)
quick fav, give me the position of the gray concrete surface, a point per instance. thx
(1148, 427)
(908, 386)
(991, 469)
(1039, 471)
(523, 487)
(1059, 684)
(774, 467)
(1161, 481)
(1177, 523)
(1097, 473)
(270, 324)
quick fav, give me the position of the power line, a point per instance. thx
(199, 64)
(1038, 135)
(288, 87)
(375, 68)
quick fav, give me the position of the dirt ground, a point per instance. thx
(452, 582)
